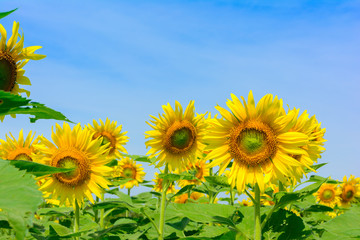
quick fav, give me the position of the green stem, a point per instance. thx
(249, 195)
(257, 213)
(151, 220)
(231, 196)
(77, 218)
(102, 213)
(127, 211)
(267, 217)
(162, 205)
(96, 212)
(129, 191)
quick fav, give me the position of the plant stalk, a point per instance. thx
(162, 205)
(257, 213)
(77, 218)
(102, 213)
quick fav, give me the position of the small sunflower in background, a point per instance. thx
(183, 198)
(74, 148)
(177, 136)
(257, 139)
(21, 149)
(201, 171)
(350, 189)
(13, 58)
(328, 195)
(110, 132)
(131, 170)
(159, 185)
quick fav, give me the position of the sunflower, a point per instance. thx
(246, 202)
(13, 58)
(158, 185)
(183, 198)
(131, 170)
(349, 190)
(20, 149)
(257, 139)
(328, 194)
(109, 132)
(314, 148)
(201, 171)
(176, 138)
(74, 148)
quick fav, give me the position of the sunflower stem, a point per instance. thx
(77, 218)
(163, 204)
(96, 212)
(257, 213)
(231, 196)
(102, 213)
(129, 189)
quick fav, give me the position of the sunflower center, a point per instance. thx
(328, 194)
(106, 138)
(252, 143)
(72, 159)
(128, 173)
(8, 72)
(180, 137)
(348, 193)
(23, 156)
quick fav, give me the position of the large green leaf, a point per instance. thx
(345, 226)
(20, 197)
(14, 104)
(4, 14)
(37, 169)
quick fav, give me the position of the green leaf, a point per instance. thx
(140, 158)
(345, 226)
(180, 225)
(37, 169)
(176, 177)
(288, 224)
(20, 196)
(200, 212)
(15, 104)
(315, 178)
(218, 180)
(4, 14)
(315, 167)
(318, 208)
(284, 198)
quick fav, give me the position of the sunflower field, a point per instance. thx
(248, 172)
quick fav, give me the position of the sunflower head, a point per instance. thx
(200, 170)
(350, 189)
(258, 141)
(20, 149)
(74, 148)
(110, 135)
(13, 58)
(176, 137)
(184, 198)
(131, 170)
(159, 185)
(328, 194)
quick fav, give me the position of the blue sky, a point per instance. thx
(124, 59)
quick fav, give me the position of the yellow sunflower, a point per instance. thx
(74, 148)
(129, 169)
(328, 194)
(349, 190)
(257, 139)
(201, 171)
(20, 149)
(314, 148)
(13, 58)
(158, 185)
(176, 137)
(109, 132)
(246, 202)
